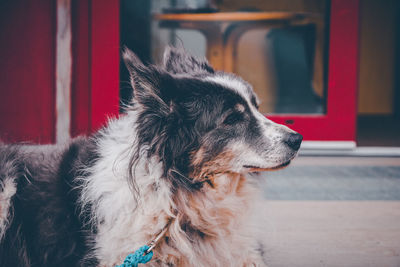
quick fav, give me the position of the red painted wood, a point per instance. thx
(104, 61)
(339, 123)
(81, 89)
(27, 66)
(95, 90)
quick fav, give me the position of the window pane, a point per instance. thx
(280, 47)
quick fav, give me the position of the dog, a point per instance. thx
(178, 165)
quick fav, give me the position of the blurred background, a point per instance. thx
(329, 69)
(324, 68)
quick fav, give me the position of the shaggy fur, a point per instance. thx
(179, 157)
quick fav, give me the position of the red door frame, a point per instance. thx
(97, 57)
(339, 122)
(96, 53)
(95, 88)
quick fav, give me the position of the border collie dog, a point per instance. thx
(177, 163)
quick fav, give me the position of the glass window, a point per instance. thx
(280, 47)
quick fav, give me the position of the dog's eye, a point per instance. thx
(233, 118)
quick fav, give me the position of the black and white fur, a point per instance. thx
(179, 157)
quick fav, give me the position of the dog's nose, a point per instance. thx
(294, 141)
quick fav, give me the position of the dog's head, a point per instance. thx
(199, 122)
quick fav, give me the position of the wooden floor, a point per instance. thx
(331, 233)
(321, 213)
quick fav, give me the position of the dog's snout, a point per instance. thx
(294, 140)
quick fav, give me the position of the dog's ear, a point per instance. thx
(177, 60)
(143, 79)
(149, 83)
